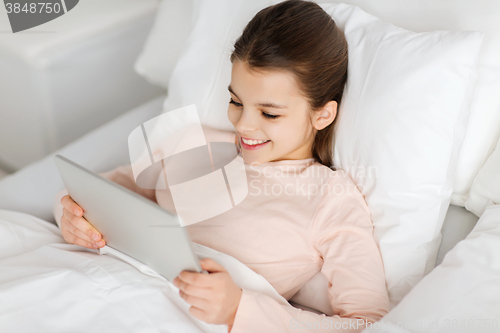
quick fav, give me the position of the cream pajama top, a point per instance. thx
(299, 217)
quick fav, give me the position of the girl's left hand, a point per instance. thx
(214, 297)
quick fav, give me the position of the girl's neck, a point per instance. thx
(305, 161)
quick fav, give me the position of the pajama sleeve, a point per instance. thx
(341, 232)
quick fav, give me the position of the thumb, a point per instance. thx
(211, 265)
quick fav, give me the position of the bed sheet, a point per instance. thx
(459, 295)
(47, 285)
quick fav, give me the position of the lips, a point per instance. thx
(252, 144)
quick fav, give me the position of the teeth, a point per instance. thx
(253, 142)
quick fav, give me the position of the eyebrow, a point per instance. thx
(267, 104)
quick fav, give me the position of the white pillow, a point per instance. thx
(165, 43)
(409, 94)
(486, 187)
(483, 128)
(399, 130)
(461, 294)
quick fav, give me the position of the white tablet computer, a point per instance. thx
(130, 223)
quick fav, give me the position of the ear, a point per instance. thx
(325, 116)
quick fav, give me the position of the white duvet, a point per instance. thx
(47, 285)
(462, 294)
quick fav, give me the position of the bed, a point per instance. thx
(452, 284)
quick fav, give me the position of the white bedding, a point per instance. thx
(462, 294)
(47, 285)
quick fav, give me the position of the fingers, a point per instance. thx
(200, 280)
(76, 230)
(197, 302)
(72, 206)
(211, 265)
(78, 221)
(85, 227)
(192, 290)
(197, 313)
(73, 239)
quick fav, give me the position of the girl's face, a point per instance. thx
(270, 115)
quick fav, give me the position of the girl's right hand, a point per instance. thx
(75, 229)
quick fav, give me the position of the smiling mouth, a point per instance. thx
(254, 142)
(249, 144)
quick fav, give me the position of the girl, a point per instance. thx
(289, 68)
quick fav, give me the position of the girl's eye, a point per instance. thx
(235, 103)
(266, 115)
(269, 116)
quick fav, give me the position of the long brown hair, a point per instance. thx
(301, 37)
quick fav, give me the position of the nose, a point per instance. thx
(247, 122)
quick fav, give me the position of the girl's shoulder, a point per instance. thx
(342, 184)
(335, 175)
(343, 200)
(336, 183)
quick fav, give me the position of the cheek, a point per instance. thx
(291, 133)
(233, 115)
(281, 133)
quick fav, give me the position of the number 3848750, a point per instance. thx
(33, 8)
